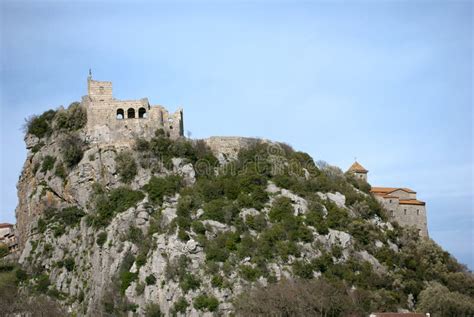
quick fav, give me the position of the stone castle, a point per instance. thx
(113, 121)
(401, 203)
(110, 120)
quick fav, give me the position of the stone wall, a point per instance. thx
(110, 120)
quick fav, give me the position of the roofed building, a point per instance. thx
(401, 203)
(358, 171)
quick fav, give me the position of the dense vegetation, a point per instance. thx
(64, 120)
(264, 227)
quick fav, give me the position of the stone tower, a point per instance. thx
(110, 120)
(358, 171)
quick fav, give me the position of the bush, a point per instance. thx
(302, 269)
(150, 279)
(153, 310)
(249, 273)
(189, 282)
(69, 264)
(126, 278)
(42, 283)
(126, 166)
(60, 171)
(3, 250)
(157, 188)
(135, 235)
(116, 201)
(48, 163)
(217, 281)
(73, 151)
(101, 238)
(72, 119)
(180, 306)
(40, 126)
(281, 209)
(204, 302)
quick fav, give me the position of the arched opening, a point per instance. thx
(120, 114)
(142, 113)
(131, 113)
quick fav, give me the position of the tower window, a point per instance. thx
(405, 212)
(142, 113)
(131, 113)
(418, 211)
(120, 114)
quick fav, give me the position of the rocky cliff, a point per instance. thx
(189, 227)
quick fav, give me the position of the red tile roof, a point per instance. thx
(412, 202)
(6, 225)
(388, 190)
(356, 167)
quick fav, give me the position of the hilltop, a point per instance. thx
(160, 224)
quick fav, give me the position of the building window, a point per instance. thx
(131, 113)
(405, 212)
(418, 211)
(142, 113)
(389, 200)
(391, 212)
(120, 114)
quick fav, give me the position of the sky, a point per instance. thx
(388, 82)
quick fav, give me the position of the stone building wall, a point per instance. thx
(110, 120)
(412, 215)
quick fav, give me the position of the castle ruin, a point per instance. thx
(110, 120)
(401, 203)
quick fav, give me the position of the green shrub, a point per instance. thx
(150, 279)
(135, 235)
(72, 150)
(198, 227)
(21, 275)
(70, 216)
(72, 119)
(180, 306)
(157, 188)
(126, 166)
(69, 264)
(153, 310)
(37, 147)
(217, 281)
(281, 209)
(60, 171)
(302, 269)
(126, 278)
(250, 273)
(42, 283)
(204, 302)
(257, 222)
(101, 238)
(107, 205)
(40, 126)
(3, 250)
(189, 282)
(48, 163)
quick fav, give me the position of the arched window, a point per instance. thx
(142, 113)
(120, 114)
(131, 113)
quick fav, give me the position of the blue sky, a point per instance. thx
(388, 82)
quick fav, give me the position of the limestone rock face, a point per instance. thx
(98, 254)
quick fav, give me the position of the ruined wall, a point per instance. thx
(110, 120)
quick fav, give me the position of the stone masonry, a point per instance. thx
(112, 121)
(400, 203)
